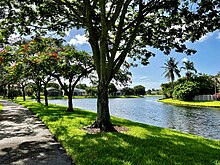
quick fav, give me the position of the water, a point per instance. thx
(199, 121)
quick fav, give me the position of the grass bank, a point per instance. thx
(213, 104)
(142, 144)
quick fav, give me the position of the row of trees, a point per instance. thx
(171, 69)
(41, 60)
(116, 30)
(192, 84)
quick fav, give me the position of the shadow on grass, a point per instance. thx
(142, 144)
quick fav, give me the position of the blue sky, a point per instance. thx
(206, 60)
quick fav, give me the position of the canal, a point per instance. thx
(199, 121)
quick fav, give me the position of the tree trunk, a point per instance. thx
(70, 102)
(23, 93)
(4, 91)
(45, 94)
(9, 91)
(103, 116)
(38, 93)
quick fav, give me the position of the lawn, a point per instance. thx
(214, 104)
(142, 144)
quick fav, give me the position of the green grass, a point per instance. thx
(142, 144)
(214, 104)
(0, 107)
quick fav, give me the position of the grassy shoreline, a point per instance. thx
(211, 104)
(142, 144)
(78, 97)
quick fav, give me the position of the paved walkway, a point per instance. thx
(25, 140)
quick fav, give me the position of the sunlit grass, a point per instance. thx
(0, 107)
(215, 104)
(142, 144)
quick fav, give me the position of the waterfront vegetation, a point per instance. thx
(0, 107)
(141, 144)
(214, 104)
(80, 97)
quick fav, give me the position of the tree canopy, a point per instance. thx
(116, 29)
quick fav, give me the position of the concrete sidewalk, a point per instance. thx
(25, 140)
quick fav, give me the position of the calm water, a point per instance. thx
(200, 121)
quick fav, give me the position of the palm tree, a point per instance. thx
(171, 69)
(189, 66)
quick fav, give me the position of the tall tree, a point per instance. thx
(139, 90)
(171, 69)
(189, 67)
(116, 30)
(71, 67)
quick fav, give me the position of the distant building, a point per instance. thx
(79, 92)
(54, 92)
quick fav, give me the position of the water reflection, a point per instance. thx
(199, 121)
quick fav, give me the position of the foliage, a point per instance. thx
(148, 92)
(189, 67)
(116, 29)
(141, 144)
(139, 90)
(112, 89)
(187, 88)
(167, 90)
(54, 85)
(128, 91)
(171, 69)
(92, 91)
(81, 86)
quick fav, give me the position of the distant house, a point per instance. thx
(54, 92)
(79, 92)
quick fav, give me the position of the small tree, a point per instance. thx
(171, 69)
(72, 66)
(139, 90)
(189, 67)
(112, 89)
(128, 91)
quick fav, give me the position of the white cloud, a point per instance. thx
(185, 59)
(79, 40)
(205, 37)
(144, 78)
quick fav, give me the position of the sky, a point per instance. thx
(206, 60)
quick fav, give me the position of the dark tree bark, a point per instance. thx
(45, 94)
(23, 92)
(103, 116)
(38, 92)
(9, 91)
(70, 102)
(4, 91)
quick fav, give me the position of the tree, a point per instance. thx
(189, 66)
(112, 89)
(139, 90)
(148, 92)
(171, 69)
(81, 86)
(116, 30)
(69, 69)
(128, 91)
(186, 88)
